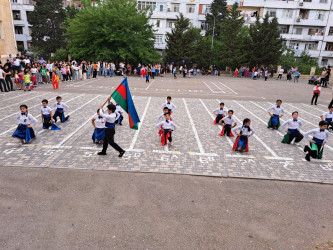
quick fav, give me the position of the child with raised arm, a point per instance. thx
(25, 123)
(276, 112)
(242, 140)
(292, 128)
(167, 127)
(317, 142)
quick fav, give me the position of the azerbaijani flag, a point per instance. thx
(122, 96)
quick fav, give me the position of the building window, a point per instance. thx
(204, 25)
(171, 25)
(308, 1)
(330, 32)
(284, 30)
(294, 46)
(272, 13)
(17, 15)
(329, 47)
(14, 1)
(323, 1)
(312, 32)
(158, 23)
(161, 8)
(175, 7)
(287, 14)
(204, 9)
(19, 30)
(144, 5)
(320, 15)
(304, 14)
(298, 31)
(324, 62)
(20, 44)
(310, 46)
(158, 39)
(190, 8)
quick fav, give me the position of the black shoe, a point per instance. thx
(307, 157)
(101, 153)
(121, 153)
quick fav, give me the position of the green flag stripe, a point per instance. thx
(120, 100)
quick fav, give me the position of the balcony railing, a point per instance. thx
(25, 2)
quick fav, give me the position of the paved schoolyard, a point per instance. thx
(54, 196)
(197, 148)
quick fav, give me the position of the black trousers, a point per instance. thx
(279, 76)
(47, 122)
(109, 139)
(59, 114)
(311, 152)
(227, 130)
(170, 136)
(94, 73)
(314, 98)
(2, 82)
(297, 135)
(9, 84)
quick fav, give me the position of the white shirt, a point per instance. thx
(276, 110)
(315, 88)
(1, 73)
(243, 130)
(292, 124)
(281, 71)
(229, 120)
(169, 106)
(26, 119)
(220, 112)
(316, 133)
(118, 109)
(162, 118)
(99, 121)
(167, 125)
(49, 66)
(26, 61)
(46, 110)
(33, 70)
(60, 105)
(110, 118)
(328, 115)
(17, 62)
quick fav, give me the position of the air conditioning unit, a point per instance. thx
(300, 3)
(298, 19)
(169, 10)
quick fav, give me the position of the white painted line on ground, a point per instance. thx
(15, 104)
(166, 152)
(240, 156)
(85, 83)
(220, 127)
(135, 137)
(317, 161)
(203, 154)
(25, 93)
(76, 130)
(194, 129)
(229, 88)
(311, 106)
(150, 84)
(218, 87)
(278, 158)
(39, 104)
(209, 88)
(303, 110)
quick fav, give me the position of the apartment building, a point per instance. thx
(306, 25)
(7, 37)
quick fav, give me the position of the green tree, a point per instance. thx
(234, 39)
(115, 30)
(266, 42)
(46, 20)
(287, 59)
(219, 11)
(182, 42)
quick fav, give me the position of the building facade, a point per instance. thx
(306, 25)
(7, 36)
(21, 10)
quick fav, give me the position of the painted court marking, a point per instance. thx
(209, 88)
(149, 84)
(15, 104)
(229, 88)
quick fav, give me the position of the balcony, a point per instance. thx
(326, 53)
(310, 22)
(24, 2)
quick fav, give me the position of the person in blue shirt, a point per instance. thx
(297, 75)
